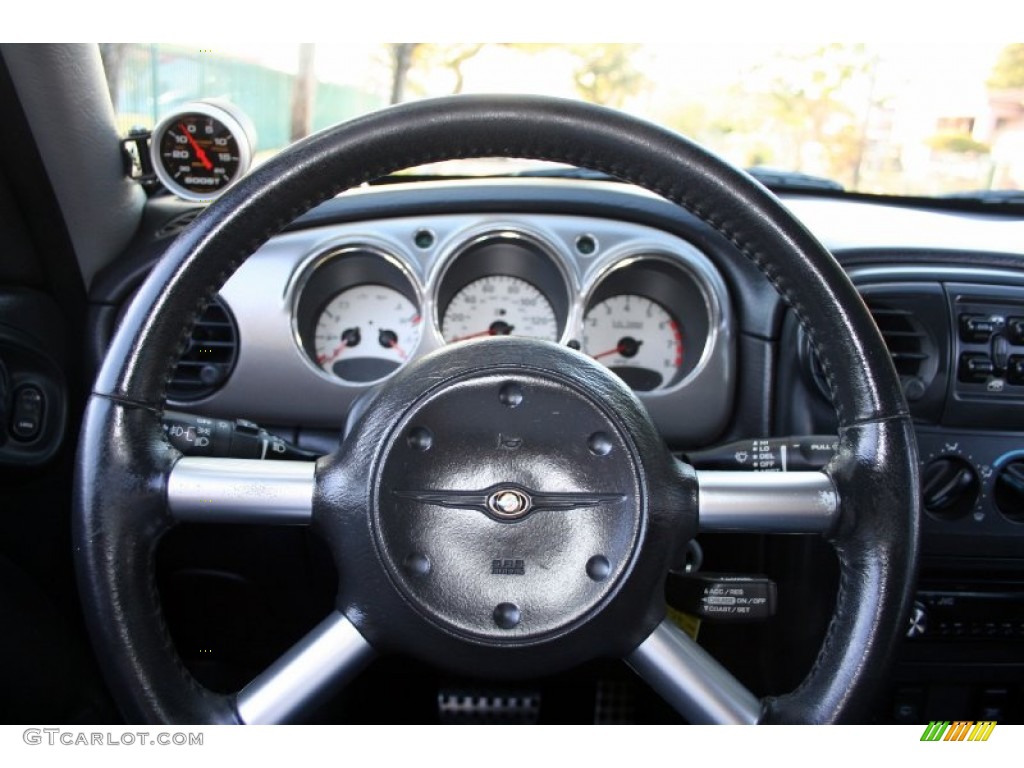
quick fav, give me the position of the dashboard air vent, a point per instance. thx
(909, 344)
(913, 326)
(209, 357)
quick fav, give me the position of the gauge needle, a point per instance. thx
(337, 351)
(200, 152)
(349, 338)
(627, 347)
(497, 328)
(321, 359)
(389, 340)
(472, 336)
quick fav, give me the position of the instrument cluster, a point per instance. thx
(327, 312)
(648, 314)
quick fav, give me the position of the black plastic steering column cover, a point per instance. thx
(123, 461)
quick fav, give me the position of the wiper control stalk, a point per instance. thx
(767, 454)
(223, 438)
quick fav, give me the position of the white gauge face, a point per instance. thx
(499, 305)
(636, 338)
(366, 333)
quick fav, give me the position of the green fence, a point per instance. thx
(154, 80)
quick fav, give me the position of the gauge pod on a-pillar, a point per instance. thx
(202, 149)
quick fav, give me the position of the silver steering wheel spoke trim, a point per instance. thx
(691, 680)
(767, 502)
(208, 490)
(308, 674)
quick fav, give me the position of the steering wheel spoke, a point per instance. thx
(767, 502)
(308, 674)
(691, 680)
(207, 490)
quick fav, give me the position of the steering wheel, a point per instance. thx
(503, 507)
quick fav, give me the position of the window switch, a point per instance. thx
(1015, 330)
(975, 368)
(975, 329)
(1015, 370)
(27, 413)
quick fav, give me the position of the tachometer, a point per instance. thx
(499, 305)
(201, 150)
(636, 338)
(366, 333)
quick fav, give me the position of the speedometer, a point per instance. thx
(636, 338)
(499, 305)
(201, 150)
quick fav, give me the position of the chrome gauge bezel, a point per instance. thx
(306, 309)
(689, 266)
(236, 123)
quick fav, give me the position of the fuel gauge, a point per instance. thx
(366, 333)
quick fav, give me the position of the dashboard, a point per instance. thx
(323, 313)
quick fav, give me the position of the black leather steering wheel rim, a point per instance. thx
(123, 461)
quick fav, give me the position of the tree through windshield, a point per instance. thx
(905, 120)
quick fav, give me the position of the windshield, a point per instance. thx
(902, 119)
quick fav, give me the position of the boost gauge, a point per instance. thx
(201, 150)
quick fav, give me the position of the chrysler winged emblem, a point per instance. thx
(506, 501)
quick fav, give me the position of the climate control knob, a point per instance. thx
(950, 487)
(1009, 490)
